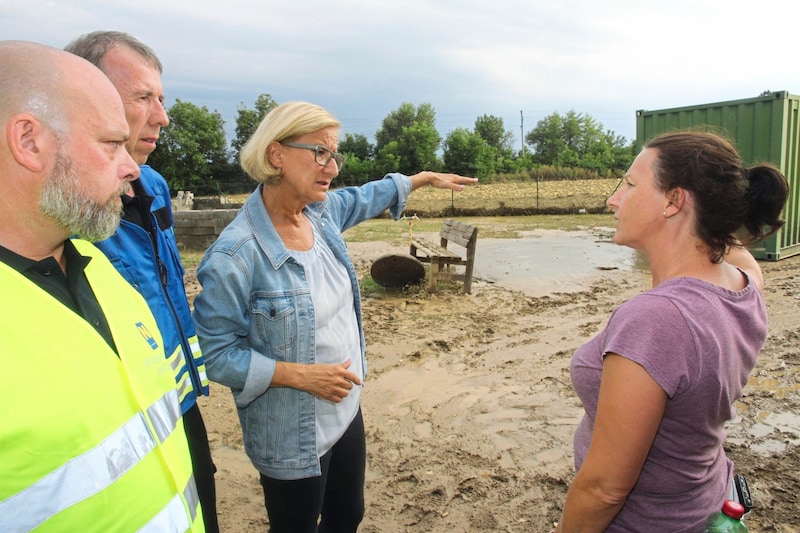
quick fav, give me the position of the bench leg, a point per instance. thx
(436, 266)
(469, 266)
(468, 279)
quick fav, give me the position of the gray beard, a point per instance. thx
(64, 201)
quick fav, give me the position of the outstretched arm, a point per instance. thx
(441, 181)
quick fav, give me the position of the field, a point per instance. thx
(518, 198)
(569, 196)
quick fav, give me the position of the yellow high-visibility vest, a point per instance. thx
(89, 441)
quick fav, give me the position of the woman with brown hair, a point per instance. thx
(659, 382)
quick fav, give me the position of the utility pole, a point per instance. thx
(522, 142)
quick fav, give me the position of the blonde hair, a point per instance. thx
(284, 123)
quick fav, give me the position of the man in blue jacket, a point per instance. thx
(144, 249)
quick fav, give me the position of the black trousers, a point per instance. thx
(202, 465)
(335, 498)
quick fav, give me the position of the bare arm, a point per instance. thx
(327, 382)
(441, 181)
(629, 411)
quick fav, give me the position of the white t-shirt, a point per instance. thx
(336, 336)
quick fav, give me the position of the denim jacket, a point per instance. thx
(255, 309)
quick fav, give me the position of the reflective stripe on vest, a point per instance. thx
(178, 363)
(164, 415)
(194, 344)
(93, 471)
(173, 517)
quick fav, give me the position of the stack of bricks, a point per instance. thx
(197, 229)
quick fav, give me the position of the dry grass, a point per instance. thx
(572, 194)
(586, 194)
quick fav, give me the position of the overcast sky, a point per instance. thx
(520, 60)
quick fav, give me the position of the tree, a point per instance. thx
(356, 145)
(356, 171)
(358, 160)
(247, 120)
(386, 160)
(577, 140)
(188, 149)
(547, 140)
(492, 130)
(408, 135)
(468, 154)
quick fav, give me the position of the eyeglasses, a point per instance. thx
(322, 155)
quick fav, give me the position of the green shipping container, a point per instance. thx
(765, 128)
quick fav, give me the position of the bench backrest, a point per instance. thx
(458, 233)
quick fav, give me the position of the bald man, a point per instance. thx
(91, 436)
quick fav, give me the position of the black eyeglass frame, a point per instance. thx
(317, 148)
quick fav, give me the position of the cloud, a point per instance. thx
(520, 61)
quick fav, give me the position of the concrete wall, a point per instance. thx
(197, 229)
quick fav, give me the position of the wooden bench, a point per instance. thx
(442, 259)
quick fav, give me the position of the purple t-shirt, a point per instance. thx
(699, 342)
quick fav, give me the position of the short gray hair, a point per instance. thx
(94, 46)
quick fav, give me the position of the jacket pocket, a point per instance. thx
(276, 323)
(272, 435)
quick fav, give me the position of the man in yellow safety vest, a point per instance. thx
(91, 435)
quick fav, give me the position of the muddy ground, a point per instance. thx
(470, 411)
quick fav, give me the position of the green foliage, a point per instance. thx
(356, 171)
(481, 153)
(387, 159)
(417, 148)
(468, 154)
(356, 145)
(190, 147)
(247, 120)
(358, 166)
(577, 140)
(408, 137)
(228, 178)
(492, 130)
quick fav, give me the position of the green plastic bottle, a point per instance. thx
(728, 520)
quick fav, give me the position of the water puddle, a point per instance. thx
(773, 431)
(545, 261)
(779, 384)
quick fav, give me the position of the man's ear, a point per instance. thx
(28, 140)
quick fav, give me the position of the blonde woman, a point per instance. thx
(279, 317)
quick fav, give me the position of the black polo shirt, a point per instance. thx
(72, 290)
